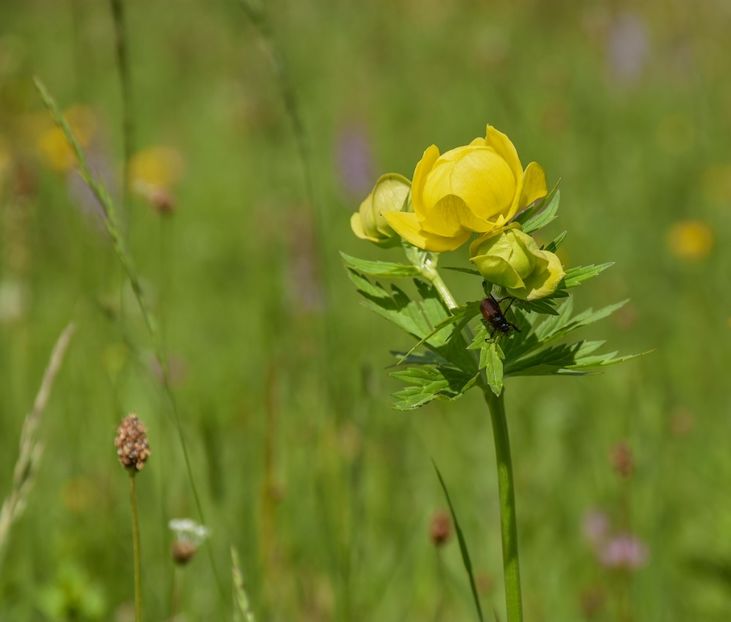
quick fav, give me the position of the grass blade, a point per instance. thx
(462, 546)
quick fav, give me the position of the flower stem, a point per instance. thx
(508, 528)
(506, 489)
(136, 546)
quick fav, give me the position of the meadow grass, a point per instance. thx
(303, 467)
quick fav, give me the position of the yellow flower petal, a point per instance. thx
(478, 175)
(357, 226)
(408, 226)
(534, 185)
(420, 173)
(505, 148)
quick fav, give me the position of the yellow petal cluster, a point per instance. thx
(511, 259)
(156, 167)
(388, 196)
(475, 188)
(52, 144)
(691, 240)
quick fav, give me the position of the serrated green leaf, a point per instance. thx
(430, 382)
(554, 245)
(427, 357)
(567, 359)
(365, 286)
(603, 360)
(492, 363)
(579, 274)
(545, 306)
(536, 218)
(379, 269)
(479, 338)
(460, 316)
(463, 548)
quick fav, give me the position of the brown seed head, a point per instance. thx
(133, 450)
(622, 460)
(441, 528)
(183, 551)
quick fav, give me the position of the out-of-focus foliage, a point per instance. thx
(325, 491)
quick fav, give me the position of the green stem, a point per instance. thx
(136, 546)
(506, 488)
(443, 291)
(124, 80)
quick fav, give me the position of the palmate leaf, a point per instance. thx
(430, 382)
(424, 316)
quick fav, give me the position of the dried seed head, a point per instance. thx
(622, 460)
(189, 535)
(441, 528)
(183, 551)
(133, 450)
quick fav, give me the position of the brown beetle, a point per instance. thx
(495, 317)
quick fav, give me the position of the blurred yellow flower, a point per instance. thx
(690, 239)
(52, 144)
(512, 259)
(388, 195)
(474, 188)
(155, 168)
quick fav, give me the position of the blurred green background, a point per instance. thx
(280, 375)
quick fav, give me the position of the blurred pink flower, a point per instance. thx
(354, 159)
(623, 551)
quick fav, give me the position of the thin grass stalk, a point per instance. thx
(112, 225)
(123, 68)
(136, 548)
(242, 606)
(30, 448)
(259, 18)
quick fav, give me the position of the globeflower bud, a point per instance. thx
(388, 195)
(513, 260)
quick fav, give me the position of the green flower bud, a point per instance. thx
(388, 195)
(513, 260)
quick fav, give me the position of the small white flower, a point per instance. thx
(187, 530)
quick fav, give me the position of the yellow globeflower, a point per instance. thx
(690, 239)
(512, 259)
(474, 188)
(388, 195)
(52, 143)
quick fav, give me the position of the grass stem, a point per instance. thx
(111, 222)
(136, 549)
(123, 67)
